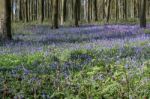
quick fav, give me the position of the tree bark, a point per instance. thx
(5, 20)
(55, 14)
(108, 10)
(76, 12)
(42, 11)
(143, 14)
(95, 10)
(64, 10)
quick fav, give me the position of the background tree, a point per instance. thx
(95, 10)
(55, 14)
(64, 10)
(42, 10)
(77, 12)
(83, 12)
(108, 10)
(143, 14)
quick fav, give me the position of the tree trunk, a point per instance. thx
(143, 14)
(42, 11)
(76, 12)
(89, 10)
(5, 20)
(125, 9)
(95, 10)
(64, 10)
(55, 14)
(108, 10)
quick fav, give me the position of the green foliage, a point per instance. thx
(10, 60)
(147, 31)
(107, 73)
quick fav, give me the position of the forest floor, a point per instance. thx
(88, 62)
(34, 38)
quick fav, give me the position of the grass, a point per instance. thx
(107, 73)
(147, 31)
(114, 67)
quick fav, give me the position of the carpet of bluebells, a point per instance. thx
(89, 62)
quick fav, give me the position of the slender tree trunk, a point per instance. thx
(95, 10)
(64, 10)
(85, 9)
(42, 11)
(26, 11)
(104, 14)
(76, 12)
(143, 14)
(125, 9)
(55, 15)
(117, 11)
(20, 10)
(89, 10)
(108, 10)
(62, 15)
